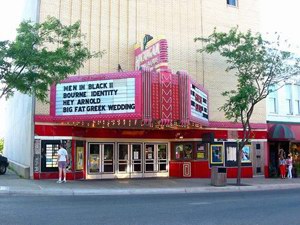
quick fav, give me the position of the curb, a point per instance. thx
(144, 191)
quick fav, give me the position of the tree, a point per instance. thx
(1, 145)
(258, 65)
(41, 55)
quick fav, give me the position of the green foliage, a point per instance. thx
(41, 55)
(258, 64)
(1, 146)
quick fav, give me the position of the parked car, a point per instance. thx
(3, 164)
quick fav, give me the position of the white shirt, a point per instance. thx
(62, 154)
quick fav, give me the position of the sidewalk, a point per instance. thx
(11, 184)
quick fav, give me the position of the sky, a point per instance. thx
(283, 17)
(277, 15)
(10, 17)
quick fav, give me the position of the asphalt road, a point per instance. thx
(239, 208)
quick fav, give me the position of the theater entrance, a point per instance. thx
(100, 160)
(129, 164)
(126, 160)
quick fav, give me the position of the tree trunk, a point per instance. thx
(239, 163)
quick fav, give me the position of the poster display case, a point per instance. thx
(216, 154)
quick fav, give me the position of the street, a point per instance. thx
(236, 208)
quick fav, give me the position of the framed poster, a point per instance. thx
(246, 154)
(94, 163)
(231, 152)
(216, 154)
(201, 151)
(79, 158)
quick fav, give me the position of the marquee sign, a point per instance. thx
(96, 97)
(111, 96)
(153, 57)
(199, 103)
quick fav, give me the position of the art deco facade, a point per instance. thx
(118, 27)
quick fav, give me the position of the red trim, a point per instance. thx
(103, 76)
(56, 130)
(200, 169)
(175, 91)
(218, 124)
(73, 154)
(180, 101)
(147, 96)
(166, 97)
(36, 176)
(267, 173)
(247, 172)
(84, 159)
(156, 101)
(52, 100)
(183, 98)
(54, 175)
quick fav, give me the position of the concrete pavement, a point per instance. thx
(11, 184)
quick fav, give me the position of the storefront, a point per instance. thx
(283, 136)
(125, 153)
(145, 123)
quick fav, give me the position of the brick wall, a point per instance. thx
(116, 25)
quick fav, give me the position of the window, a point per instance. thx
(272, 105)
(49, 155)
(297, 99)
(232, 2)
(297, 102)
(201, 151)
(162, 157)
(257, 146)
(183, 151)
(289, 105)
(272, 100)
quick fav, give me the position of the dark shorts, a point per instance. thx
(62, 164)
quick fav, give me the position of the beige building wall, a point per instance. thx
(116, 25)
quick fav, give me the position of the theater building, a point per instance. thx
(149, 106)
(283, 119)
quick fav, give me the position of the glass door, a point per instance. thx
(94, 158)
(136, 157)
(123, 158)
(162, 157)
(108, 158)
(149, 158)
(101, 158)
(156, 158)
(130, 160)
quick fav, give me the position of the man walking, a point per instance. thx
(62, 163)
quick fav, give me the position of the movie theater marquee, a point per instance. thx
(96, 97)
